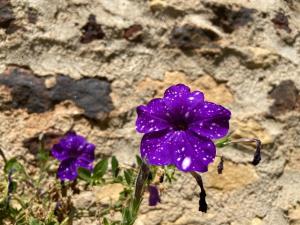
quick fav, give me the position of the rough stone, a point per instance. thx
(250, 128)
(289, 195)
(190, 36)
(257, 221)
(133, 33)
(241, 69)
(294, 160)
(213, 91)
(32, 15)
(281, 21)
(229, 18)
(260, 57)
(276, 216)
(286, 97)
(108, 194)
(29, 91)
(84, 200)
(157, 4)
(234, 176)
(91, 30)
(50, 82)
(294, 216)
(6, 14)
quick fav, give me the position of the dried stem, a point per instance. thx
(257, 154)
(3, 156)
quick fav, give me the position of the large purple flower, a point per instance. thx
(179, 129)
(73, 151)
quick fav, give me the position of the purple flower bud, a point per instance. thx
(140, 181)
(154, 197)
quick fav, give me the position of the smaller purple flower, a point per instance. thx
(73, 151)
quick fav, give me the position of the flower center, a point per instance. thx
(181, 125)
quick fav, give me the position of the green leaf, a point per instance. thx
(115, 223)
(100, 169)
(33, 221)
(170, 173)
(118, 179)
(135, 206)
(14, 165)
(42, 155)
(105, 221)
(138, 160)
(84, 174)
(114, 166)
(127, 217)
(127, 176)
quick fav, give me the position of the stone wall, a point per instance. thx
(244, 54)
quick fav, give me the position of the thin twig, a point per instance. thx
(3, 156)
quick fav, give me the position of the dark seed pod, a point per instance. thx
(257, 154)
(221, 165)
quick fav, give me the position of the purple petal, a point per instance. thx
(67, 170)
(76, 142)
(82, 162)
(210, 110)
(181, 101)
(176, 91)
(210, 120)
(192, 152)
(195, 99)
(155, 148)
(88, 153)
(70, 145)
(152, 117)
(175, 98)
(59, 152)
